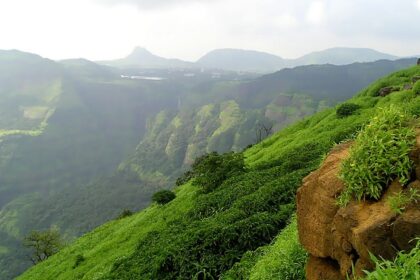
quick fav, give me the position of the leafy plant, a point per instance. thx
(404, 266)
(78, 260)
(380, 154)
(163, 197)
(184, 178)
(346, 109)
(210, 170)
(401, 200)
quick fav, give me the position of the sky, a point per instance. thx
(187, 29)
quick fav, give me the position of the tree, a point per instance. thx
(163, 197)
(263, 130)
(43, 244)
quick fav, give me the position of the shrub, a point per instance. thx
(212, 169)
(184, 178)
(416, 87)
(346, 109)
(78, 260)
(163, 197)
(380, 154)
(125, 213)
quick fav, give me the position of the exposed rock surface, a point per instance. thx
(386, 91)
(339, 238)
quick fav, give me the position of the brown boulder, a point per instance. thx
(386, 91)
(346, 236)
(316, 205)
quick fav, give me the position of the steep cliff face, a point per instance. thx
(339, 240)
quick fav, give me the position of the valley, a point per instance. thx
(80, 143)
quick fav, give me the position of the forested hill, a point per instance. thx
(232, 217)
(79, 142)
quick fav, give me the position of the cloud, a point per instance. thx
(316, 12)
(286, 21)
(152, 4)
(418, 4)
(187, 29)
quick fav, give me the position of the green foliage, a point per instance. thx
(210, 170)
(416, 87)
(401, 200)
(346, 109)
(285, 259)
(184, 178)
(43, 244)
(163, 197)
(380, 154)
(125, 213)
(203, 234)
(404, 266)
(78, 260)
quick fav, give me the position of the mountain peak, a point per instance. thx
(140, 52)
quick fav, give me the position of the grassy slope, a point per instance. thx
(113, 240)
(298, 147)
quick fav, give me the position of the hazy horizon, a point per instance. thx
(186, 29)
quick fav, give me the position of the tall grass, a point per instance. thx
(380, 155)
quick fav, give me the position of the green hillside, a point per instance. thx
(62, 126)
(231, 220)
(79, 143)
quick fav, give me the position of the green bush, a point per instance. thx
(163, 197)
(212, 169)
(184, 178)
(416, 87)
(78, 260)
(380, 154)
(347, 109)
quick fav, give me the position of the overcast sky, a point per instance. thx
(187, 29)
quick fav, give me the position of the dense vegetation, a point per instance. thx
(163, 197)
(347, 109)
(238, 227)
(380, 155)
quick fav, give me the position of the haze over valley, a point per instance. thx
(189, 159)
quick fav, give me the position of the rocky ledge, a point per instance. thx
(339, 239)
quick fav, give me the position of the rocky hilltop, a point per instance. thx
(340, 240)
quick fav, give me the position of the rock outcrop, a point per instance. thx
(339, 239)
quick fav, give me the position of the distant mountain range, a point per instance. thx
(140, 57)
(249, 60)
(242, 60)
